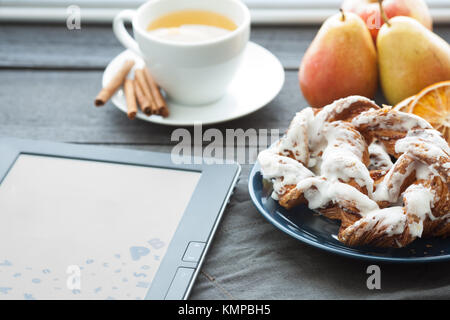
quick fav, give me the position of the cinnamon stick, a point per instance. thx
(142, 99)
(139, 75)
(128, 87)
(160, 102)
(107, 92)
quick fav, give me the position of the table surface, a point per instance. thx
(49, 77)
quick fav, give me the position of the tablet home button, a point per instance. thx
(194, 251)
(180, 283)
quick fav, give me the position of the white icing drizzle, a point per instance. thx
(424, 171)
(295, 141)
(283, 171)
(432, 143)
(315, 127)
(397, 120)
(320, 192)
(379, 158)
(342, 104)
(419, 201)
(341, 159)
(393, 219)
(389, 188)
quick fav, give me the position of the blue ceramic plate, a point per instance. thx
(318, 231)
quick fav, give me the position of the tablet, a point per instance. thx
(88, 222)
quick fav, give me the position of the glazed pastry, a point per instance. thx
(383, 173)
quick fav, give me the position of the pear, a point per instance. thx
(341, 61)
(410, 57)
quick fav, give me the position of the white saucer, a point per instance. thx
(258, 81)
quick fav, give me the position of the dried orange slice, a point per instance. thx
(404, 104)
(433, 104)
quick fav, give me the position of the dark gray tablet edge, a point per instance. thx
(175, 277)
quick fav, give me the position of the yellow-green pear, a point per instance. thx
(410, 58)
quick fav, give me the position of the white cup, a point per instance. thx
(190, 73)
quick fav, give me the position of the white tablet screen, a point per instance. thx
(75, 229)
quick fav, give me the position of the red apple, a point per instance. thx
(369, 11)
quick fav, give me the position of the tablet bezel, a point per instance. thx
(204, 206)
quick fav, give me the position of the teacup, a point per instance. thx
(190, 73)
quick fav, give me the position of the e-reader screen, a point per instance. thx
(78, 229)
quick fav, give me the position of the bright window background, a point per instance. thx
(263, 11)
